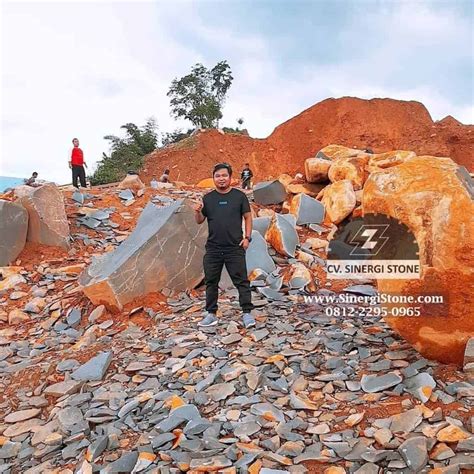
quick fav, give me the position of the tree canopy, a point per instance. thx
(126, 154)
(200, 95)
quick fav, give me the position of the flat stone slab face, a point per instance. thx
(48, 223)
(257, 255)
(269, 192)
(261, 224)
(13, 229)
(95, 368)
(164, 251)
(306, 210)
(282, 235)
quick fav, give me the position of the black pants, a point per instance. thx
(246, 184)
(234, 260)
(78, 172)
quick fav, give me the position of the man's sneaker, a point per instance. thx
(247, 320)
(209, 320)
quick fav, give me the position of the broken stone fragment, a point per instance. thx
(261, 224)
(214, 464)
(446, 255)
(133, 182)
(257, 256)
(13, 229)
(10, 277)
(306, 210)
(126, 195)
(282, 236)
(16, 316)
(165, 250)
(316, 169)
(63, 388)
(414, 452)
(339, 200)
(78, 197)
(421, 386)
(94, 369)
(47, 220)
(269, 192)
(407, 421)
(377, 383)
(22, 415)
(300, 276)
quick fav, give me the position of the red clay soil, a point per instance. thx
(381, 124)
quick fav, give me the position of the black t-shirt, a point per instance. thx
(224, 217)
(246, 174)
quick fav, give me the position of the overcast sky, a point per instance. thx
(85, 68)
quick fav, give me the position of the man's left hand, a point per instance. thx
(244, 243)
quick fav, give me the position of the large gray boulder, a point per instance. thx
(269, 192)
(165, 250)
(13, 229)
(48, 223)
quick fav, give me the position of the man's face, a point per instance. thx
(222, 179)
(75, 142)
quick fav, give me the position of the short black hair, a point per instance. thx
(222, 166)
(34, 173)
(75, 139)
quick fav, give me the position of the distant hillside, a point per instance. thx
(381, 124)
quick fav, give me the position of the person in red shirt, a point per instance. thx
(77, 163)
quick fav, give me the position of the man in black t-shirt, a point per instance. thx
(246, 176)
(224, 209)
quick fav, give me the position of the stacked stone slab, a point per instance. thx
(164, 251)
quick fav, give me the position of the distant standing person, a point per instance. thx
(32, 181)
(246, 176)
(165, 177)
(225, 208)
(77, 163)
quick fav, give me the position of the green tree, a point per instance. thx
(200, 95)
(126, 154)
(237, 129)
(175, 136)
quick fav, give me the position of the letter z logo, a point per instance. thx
(370, 238)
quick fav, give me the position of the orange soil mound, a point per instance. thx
(381, 124)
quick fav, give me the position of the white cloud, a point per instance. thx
(85, 69)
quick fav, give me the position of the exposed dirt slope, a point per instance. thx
(381, 124)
